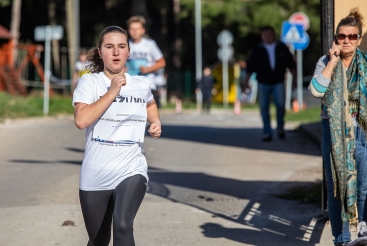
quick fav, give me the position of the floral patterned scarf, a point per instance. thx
(346, 95)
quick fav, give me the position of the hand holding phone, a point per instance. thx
(334, 52)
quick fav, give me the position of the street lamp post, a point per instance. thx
(198, 52)
(198, 41)
(327, 37)
(327, 25)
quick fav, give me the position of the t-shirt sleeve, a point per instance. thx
(147, 92)
(319, 83)
(155, 51)
(84, 91)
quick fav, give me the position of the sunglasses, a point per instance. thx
(352, 37)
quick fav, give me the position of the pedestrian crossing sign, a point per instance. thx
(294, 34)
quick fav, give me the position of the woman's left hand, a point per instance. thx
(155, 130)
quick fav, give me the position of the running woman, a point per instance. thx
(113, 107)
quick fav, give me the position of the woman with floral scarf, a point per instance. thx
(340, 79)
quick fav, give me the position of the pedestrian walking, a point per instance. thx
(205, 85)
(269, 61)
(79, 70)
(340, 80)
(113, 107)
(145, 56)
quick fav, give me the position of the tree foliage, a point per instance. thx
(4, 3)
(243, 18)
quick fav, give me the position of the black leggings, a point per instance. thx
(121, 204)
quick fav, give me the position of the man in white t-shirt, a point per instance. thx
(145, 56)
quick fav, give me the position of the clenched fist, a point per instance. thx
(116, 84)
(155, 130)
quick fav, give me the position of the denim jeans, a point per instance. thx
(340, 229)
(265, 93)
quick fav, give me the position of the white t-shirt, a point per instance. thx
(145, 53)
(106, 163)
(270, 48)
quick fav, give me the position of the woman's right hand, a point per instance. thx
(334, 53)
(116, 84)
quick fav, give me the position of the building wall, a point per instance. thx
(342, 8)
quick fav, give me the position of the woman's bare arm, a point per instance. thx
(154, 120)
(86, 114)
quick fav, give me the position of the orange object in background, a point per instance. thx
(295, 106)
(6, 47)
(9, 74)
(237, 107)
(9, 81)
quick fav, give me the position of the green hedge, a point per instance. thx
(17, 107)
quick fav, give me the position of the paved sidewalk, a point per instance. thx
(313, 131)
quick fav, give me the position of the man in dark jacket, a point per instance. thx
(269, 61)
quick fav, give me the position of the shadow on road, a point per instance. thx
(46, 162)
(261, 216)
(240, 235)
(252, 205)
(240, 137)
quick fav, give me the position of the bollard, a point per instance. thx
(295, 105)
(178, 106)
(237, 107)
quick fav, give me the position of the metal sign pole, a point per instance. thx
(46, 90)
(198, 41)
(198, 52)
(299, 80)
(225, 70)
(288, 94)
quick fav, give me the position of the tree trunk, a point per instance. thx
(178, 41)
(164, 32)
(15, 23)
(55, 43)
(139, 7)
(70, 26)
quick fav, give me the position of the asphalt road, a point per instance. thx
(212, 182)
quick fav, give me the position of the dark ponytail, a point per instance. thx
(354, 18)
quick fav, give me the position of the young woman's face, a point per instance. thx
(114, 52)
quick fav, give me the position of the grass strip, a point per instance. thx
(19, 107)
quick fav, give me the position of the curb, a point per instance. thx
(312, 131)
